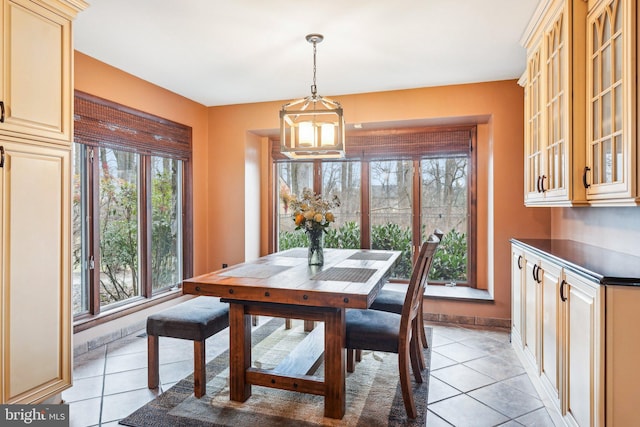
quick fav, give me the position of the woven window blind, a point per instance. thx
(405, 143)
(99, 122)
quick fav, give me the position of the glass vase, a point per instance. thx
(316, 255)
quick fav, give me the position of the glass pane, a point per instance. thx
(596, 163)
(596, 118)
(560, 168)
(79, 242)
(619, 163)
(617, 52)
(343, 180)
(293, 177)
(596, 41)
(596, 75)
(606, 114)
(606, 28)
(617, 95)
(391, 210)
(444, 206)
(606, 67)
(119, 278)
(166, 222)
(607, 159)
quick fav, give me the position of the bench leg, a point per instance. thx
(199, 369)
(153, 374)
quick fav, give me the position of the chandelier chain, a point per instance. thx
(313, 88)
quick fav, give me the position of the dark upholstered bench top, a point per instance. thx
(196, 319)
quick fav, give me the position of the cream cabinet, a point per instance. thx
(580, 88)
(35, 183)
(536, 306)
(517, 293)
(611, 173)
(551, 332)
(35, 301)
(36, 69)
(554, 104)
(531, 313)
(584, 321)
(622, 349)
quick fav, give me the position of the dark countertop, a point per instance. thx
(601, 265)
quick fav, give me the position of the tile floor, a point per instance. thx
(476, 379)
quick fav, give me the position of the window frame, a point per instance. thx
(102, 123)
(390, 144)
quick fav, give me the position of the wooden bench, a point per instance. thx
(196, 319)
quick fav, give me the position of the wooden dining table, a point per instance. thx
(282, 284)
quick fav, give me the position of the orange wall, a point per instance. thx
(225, 138)
(99, 79)
(497, 106)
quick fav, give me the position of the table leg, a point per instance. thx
(334, 359)
(239, 352)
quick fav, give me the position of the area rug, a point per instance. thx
(373, 395)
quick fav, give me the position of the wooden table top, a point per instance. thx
(349, 278)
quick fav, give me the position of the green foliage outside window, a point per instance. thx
(449, 263)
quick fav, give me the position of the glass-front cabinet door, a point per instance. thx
(611, 171)
(533, 131)
(554, 101)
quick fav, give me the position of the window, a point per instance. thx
(399, 187)
(131, 231)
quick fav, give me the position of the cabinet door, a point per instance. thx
(611, 172)
(35, 281)
(583, 393)
(533, 127)
(554, 179)
(551, 330)
(622, 349)
(35, 72)
(531, 333)
(517, 301)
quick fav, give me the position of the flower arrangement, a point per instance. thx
(311, 212)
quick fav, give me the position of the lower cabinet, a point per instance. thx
(561, 336)
(35, 309)
(584, 354)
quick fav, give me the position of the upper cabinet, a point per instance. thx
(580, 104)
(36, 69)
(555, 45)
(611, 171)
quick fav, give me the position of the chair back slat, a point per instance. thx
(418, 282)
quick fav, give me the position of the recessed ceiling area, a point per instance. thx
(219, 52)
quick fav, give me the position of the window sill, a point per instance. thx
(463, 293)
(124, 310)
(457, 293)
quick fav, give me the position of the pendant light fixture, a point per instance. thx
(312, 127)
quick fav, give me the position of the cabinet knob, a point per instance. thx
(538, 184)
(1, 156)
(542, 178)
(1, 111)
(520, 262)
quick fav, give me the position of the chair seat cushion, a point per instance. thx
(389, 300)
(372, 330)
(196, 319)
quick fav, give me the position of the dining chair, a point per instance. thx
(392, 301)
(377, 330)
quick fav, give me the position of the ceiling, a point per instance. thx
(221, 52)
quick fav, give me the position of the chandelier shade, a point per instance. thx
(312, 127)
